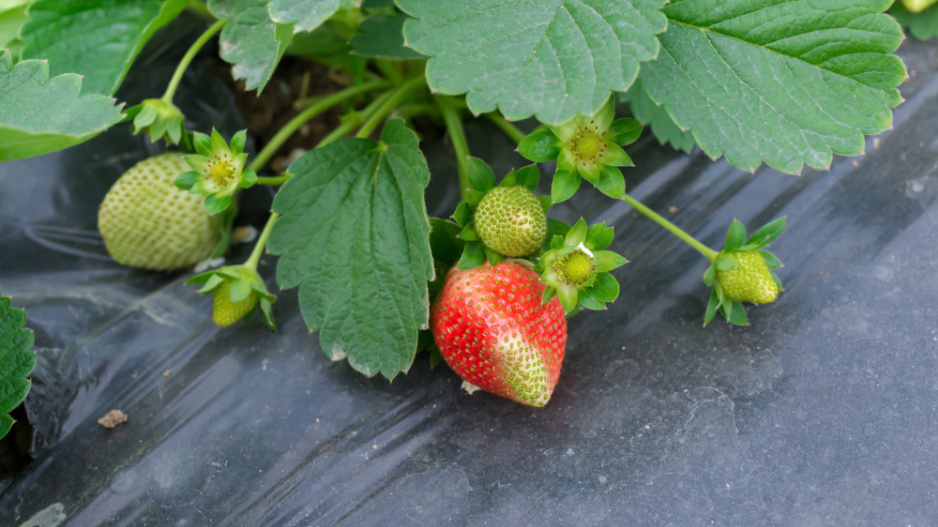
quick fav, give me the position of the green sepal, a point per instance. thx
(468, 233)
(248, 179)
(556, 242)
(548, 294)
(546, 202)
(213, 282)
(267, 314)
(587, 301)
(770, 260)
(481, 176)
(778, 281)
(712, 306)
(473, 255)
(735, 237)
(445, 244)
(202, 143)
(598, 237)
(725, 262)
(737, 316)
(611, 182)
(434, 357)
(766, 234)
(569, 296)
(615, 156)
(201, 278)
(187, 180)
(605, 261)
(605, 288)
(238, 140)
(493, 257)
(510, 180)
(710, 275)
(239, 290)
(473, 196)
(624, 131)
(215, 204)
(540, 146)
(463, 214)
(528, 177)
(564, 185)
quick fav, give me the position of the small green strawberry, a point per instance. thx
(917, 6)
(159, 119)
(742, 272)
(506, 220)
(237, 290)
(577, 267)
(492, 329)
(147, 222)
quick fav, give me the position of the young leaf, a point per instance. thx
(785, 82)
(923, 26)
(98, 40)
(307, 14)
(355, 238)
(253, 44)
(662, 125)
(382, 37)
(17, 360)
(549, 58)
(40, 115)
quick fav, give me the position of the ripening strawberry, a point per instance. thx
(511, 221)
(493, 330)
(147, 222)
(749, 281)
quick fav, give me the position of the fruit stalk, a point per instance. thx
(458, 135)
(512, 131)
(187, 59)
(398, 96)
(255, 257)
(709, 253)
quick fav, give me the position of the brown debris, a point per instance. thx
(112, 419)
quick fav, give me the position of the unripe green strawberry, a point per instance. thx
(511, 221)
(146, 221)
(749, 281)
(224, 311)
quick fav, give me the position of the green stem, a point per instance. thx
(261, 242)
(510, 130)
(458, 135)
(409, 111)
(399, 95)
(200, 8)
(273, 181)
(187, 58)
(355, 120)
(317, 108)
(709, 253)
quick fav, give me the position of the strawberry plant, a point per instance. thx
(787, 83)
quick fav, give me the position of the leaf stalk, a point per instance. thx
(187, 59)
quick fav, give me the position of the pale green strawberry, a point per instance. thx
(226, 312)
(147, 222)
(749, 281)
(511, 221)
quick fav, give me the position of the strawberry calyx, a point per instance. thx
(504, 220)
(576, 268)
(742, 272)
(159, 119)
(586, 147)
(218, 169)
(237, 291)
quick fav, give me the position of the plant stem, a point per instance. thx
(458, 135)
(510, 130)
(187, 58)
(399, 95)
(355, 120)
(317, 108)
(261, 242)
(200, 8)
(709, 253)
(278, 180)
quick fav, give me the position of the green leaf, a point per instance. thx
(473, 255)
(624, 131)
(382, 37)
(540, 146)
(307, 14)
(662, 125)
(253, 44)
(355, 238)
(786, 82)
(444, 244)
(548, 58)
(12, 18)
(481, 176)
(98, 39)
(735, 236)
(923, 26)
(605, 288)
(564, 185)
(40, 115)
(17, 360)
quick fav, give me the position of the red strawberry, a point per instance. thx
(494, 332)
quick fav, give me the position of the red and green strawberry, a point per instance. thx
(493, 330)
